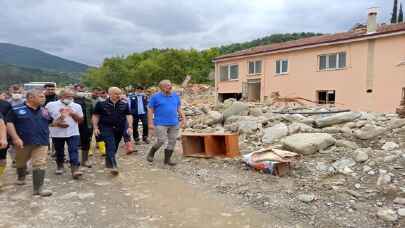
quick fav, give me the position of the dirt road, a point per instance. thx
(142, 195)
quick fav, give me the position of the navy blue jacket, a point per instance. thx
(133, 103)
(112, 115)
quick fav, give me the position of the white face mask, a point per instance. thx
(101, 99)
(16, 96)
(67, 101)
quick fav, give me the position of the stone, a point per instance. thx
(331, 130)
(299, 127)
(83, 196)
(235, 109)
(255, 112)
(213, 117)
(361, 154)
(248, 126)
(369, 132)
(387, 214)
(401, 212)
(306, 198)
(308, 143)
(390, 146)
(274, 133)
(384, 178)
(399, 200)
(347, 144)
(343, 165)
(69, 195)
(337, 119)
(390, 158)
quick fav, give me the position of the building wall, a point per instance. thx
(304, 77)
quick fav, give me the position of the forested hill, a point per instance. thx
(11, 54)
(151, 66)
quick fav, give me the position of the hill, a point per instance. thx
(11, 74)
(11, 54)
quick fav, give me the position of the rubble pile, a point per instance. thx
(359, 154)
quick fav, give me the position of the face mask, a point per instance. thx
(81, 94)
(101, 99)
(67, 101)
(16, 96)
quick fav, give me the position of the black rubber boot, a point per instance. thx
(38, 177)
(59, 168)
(168, 156)
(21, 173)
(151, 154)
(76, 173)
(85, 159)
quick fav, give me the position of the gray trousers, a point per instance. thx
(163, 132)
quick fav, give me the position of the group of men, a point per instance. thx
(72, 119)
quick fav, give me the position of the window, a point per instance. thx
(228, 72)
(255, 67)
(282, 67)
(332, 61)
(326, 96)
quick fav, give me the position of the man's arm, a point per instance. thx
(130, 122)
(182, 117)
(14, 136)
(94, 120)
(150, 117)
(77, 116)
(3, 134)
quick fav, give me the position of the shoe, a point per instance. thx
(146, 141)
(38, 177)
(101, 148)
(168, 155)
(59, 169)
(114, 171)
(85, 159)
(151, 154)
(21, 173)
(129, 147)
(76, 173)
(87, 164)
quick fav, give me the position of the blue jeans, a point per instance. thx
(73, 143)
(112, 138)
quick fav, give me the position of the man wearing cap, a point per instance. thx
(27, 126)
(110, 118)
(165, 116)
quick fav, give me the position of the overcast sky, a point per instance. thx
(90, 30)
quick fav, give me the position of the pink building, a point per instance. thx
(363, 69)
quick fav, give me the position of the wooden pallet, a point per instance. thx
(207, 145)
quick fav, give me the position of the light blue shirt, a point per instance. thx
(141, 109)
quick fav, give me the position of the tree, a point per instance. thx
(401, 14)
(394, 18)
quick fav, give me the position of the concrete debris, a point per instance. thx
(389, 146)
(306, 198)
(361, 154)
(399, 200)
(337, 119)
(308, 143)
(274, 133)
(344, 165)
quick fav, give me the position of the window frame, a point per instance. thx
(228, 66)
(337, 62)
(281, 67)
(254, 61)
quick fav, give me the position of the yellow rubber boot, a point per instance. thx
(101, 148)
(2, 169)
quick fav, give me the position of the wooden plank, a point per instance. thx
(232, 146)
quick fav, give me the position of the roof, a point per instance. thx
(315, 40)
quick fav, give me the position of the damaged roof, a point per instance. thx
(316, 40)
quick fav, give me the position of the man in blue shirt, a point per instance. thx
(27, 126)
(165, 116)
(138, 103)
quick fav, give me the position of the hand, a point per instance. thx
(18, 143)
(3, 143)
(130, 131)
(183, 124)
(96, 132)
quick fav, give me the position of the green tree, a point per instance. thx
(401, 14)
(394, 17)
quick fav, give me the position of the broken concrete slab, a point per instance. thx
(308, 143)
(336, 119)
(274, 133)
(235, 108)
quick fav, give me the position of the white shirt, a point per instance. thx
(54, 108)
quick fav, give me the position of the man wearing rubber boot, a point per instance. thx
(85, 126)
(164, 117)
(27, 125)
(110, 118)
(65, 130)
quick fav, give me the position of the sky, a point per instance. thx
(88, 31)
